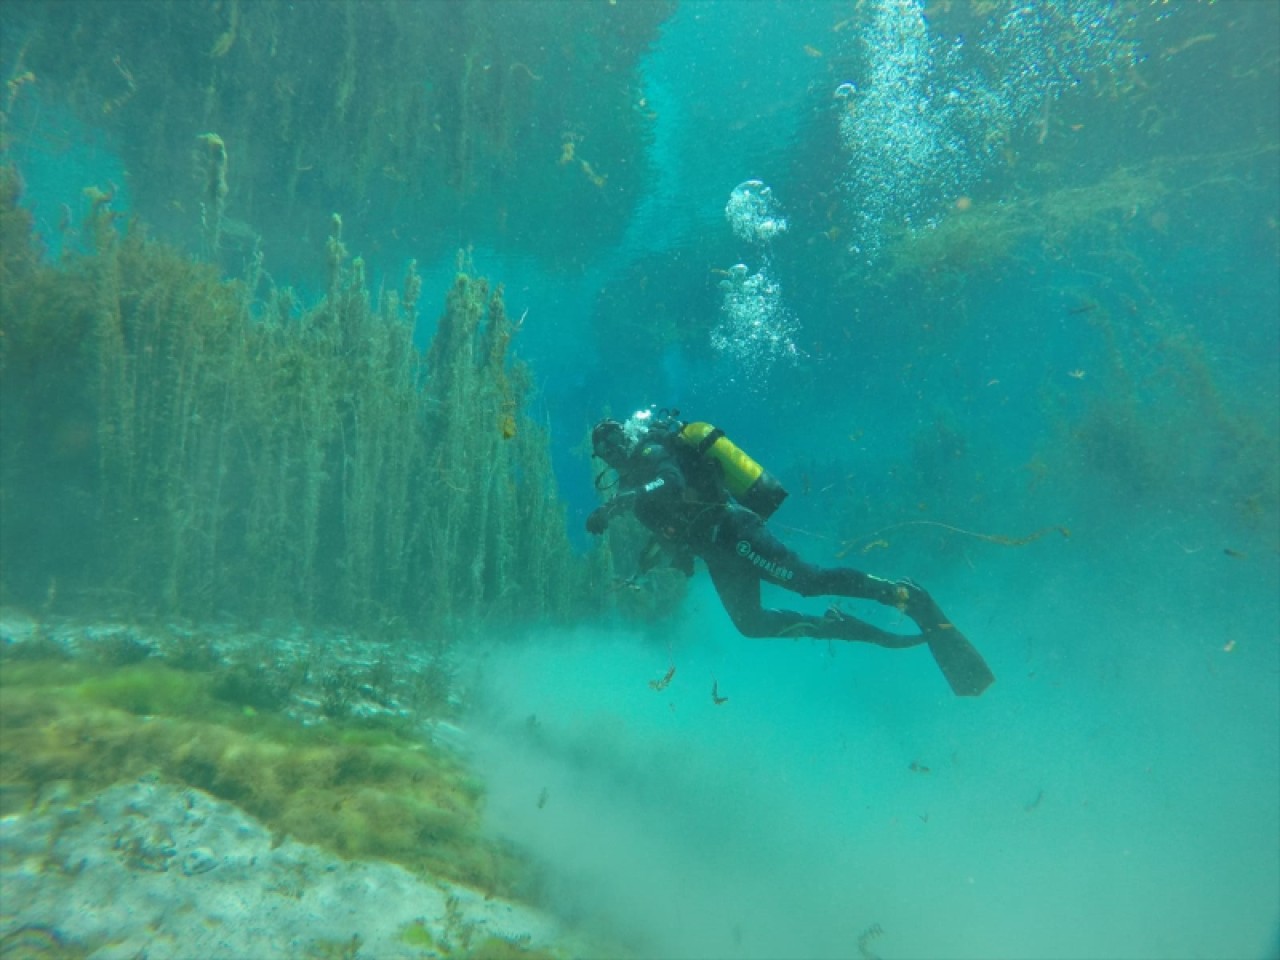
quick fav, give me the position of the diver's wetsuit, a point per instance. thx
(681, 498)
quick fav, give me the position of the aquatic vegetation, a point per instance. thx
(448, 107)
(501, 948)
(1153, 412)
(984, 236)
(462, 939)
(359, 791)
(172, 446)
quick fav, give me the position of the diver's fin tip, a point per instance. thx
(961, 664)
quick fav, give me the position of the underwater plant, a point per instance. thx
(359, 791)
(204, 455)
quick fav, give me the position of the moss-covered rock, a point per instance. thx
(359, 792)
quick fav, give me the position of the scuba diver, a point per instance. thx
(700, 495)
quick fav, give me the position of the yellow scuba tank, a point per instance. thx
(749, 483)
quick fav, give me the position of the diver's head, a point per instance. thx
(615, 442)
(609, 442)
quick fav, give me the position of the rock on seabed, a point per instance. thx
(169, 873)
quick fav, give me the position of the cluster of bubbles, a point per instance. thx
(756, 329)
(636, 427)
(929, 114)
(753, 213)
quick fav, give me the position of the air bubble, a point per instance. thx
(932, 115)
(753, 213)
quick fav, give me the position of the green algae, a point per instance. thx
(173, 444)
(359, 793)
(312, 100)
(416, 934)
(459, 944)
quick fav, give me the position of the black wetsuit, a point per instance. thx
(681, 498)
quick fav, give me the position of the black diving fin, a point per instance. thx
(957, 658)
(959, 661)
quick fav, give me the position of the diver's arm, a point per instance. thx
(665, 486)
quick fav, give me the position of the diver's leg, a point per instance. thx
(740, 559)
(746, 549)
(745, 534)
(738, 586)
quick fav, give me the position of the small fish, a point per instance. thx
(918, 767)
(715, 694)
(665, 681)
(543, 797)
(812, 52)
(1235, 553)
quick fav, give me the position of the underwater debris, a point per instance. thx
(665, 681)
(14, 87)
(130, 87)
(227, 39)
(597, 179)
(865, 939)
(715, 694)
(876, 540)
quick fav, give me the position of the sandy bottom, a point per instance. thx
(1113, 795)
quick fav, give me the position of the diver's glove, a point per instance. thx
(598, 520)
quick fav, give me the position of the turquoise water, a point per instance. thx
(1004, 270)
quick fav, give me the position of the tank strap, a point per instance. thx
(709, 440)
